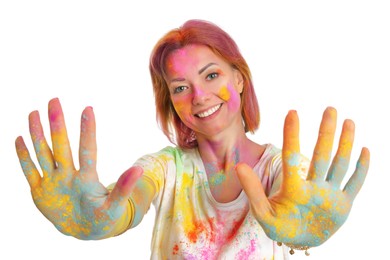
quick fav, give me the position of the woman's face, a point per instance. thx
(205, 89)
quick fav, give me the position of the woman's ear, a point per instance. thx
(238, 81)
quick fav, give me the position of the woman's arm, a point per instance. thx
(73, 199)
(306, 212)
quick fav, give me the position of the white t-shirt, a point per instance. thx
(190, 223)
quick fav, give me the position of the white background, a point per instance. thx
(303, 56)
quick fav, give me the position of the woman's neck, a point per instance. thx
(221, 154)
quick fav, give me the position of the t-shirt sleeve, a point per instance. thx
(147, 188)
(276, 171)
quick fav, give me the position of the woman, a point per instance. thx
(217, 194)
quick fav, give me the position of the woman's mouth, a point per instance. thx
(209, 112)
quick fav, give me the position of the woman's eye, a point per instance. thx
(212, 76)
(179, 89)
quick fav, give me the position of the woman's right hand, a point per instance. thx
(73, 200)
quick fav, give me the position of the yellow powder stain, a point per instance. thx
(61, 140)
(224, 93)
(192, 227)
(287, 230)
(345, 148)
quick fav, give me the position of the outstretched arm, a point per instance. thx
(74, 200)
(307, 212)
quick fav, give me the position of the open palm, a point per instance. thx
(73, 200)
(307, 212)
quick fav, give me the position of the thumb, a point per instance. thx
(125, 186)
(253, 188)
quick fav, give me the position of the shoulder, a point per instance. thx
(166, 155)
(163, 154)
(273, 161)
(272, 155)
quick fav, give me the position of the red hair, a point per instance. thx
(210, 35)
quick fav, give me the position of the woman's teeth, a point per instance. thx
(209, 112)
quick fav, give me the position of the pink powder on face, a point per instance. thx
(198, 91)
(180, 60)
(234, 98)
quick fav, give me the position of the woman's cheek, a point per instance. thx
(230, 96)
(182, 106)
(224, 93)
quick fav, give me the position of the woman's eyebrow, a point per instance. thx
(177, 79)
(199, 72)
(205, 67)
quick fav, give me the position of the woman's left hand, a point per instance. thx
(307, 212)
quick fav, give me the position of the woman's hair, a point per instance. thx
(207, 34)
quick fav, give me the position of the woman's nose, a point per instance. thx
(200, 96)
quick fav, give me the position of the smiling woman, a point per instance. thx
(217, 194)
(214, 42)
(205, 104)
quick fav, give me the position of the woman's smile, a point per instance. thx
(209, 112)
(204, 88)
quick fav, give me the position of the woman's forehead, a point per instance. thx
(190, 52)
(191, 56)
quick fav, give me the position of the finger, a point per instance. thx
(340, 163)
(87, 152)
(291, 148)
(28, 166)
(356, 181)
(42, 149)
(323, 150)
(59, 136)
(254, 190)
(124, 187)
